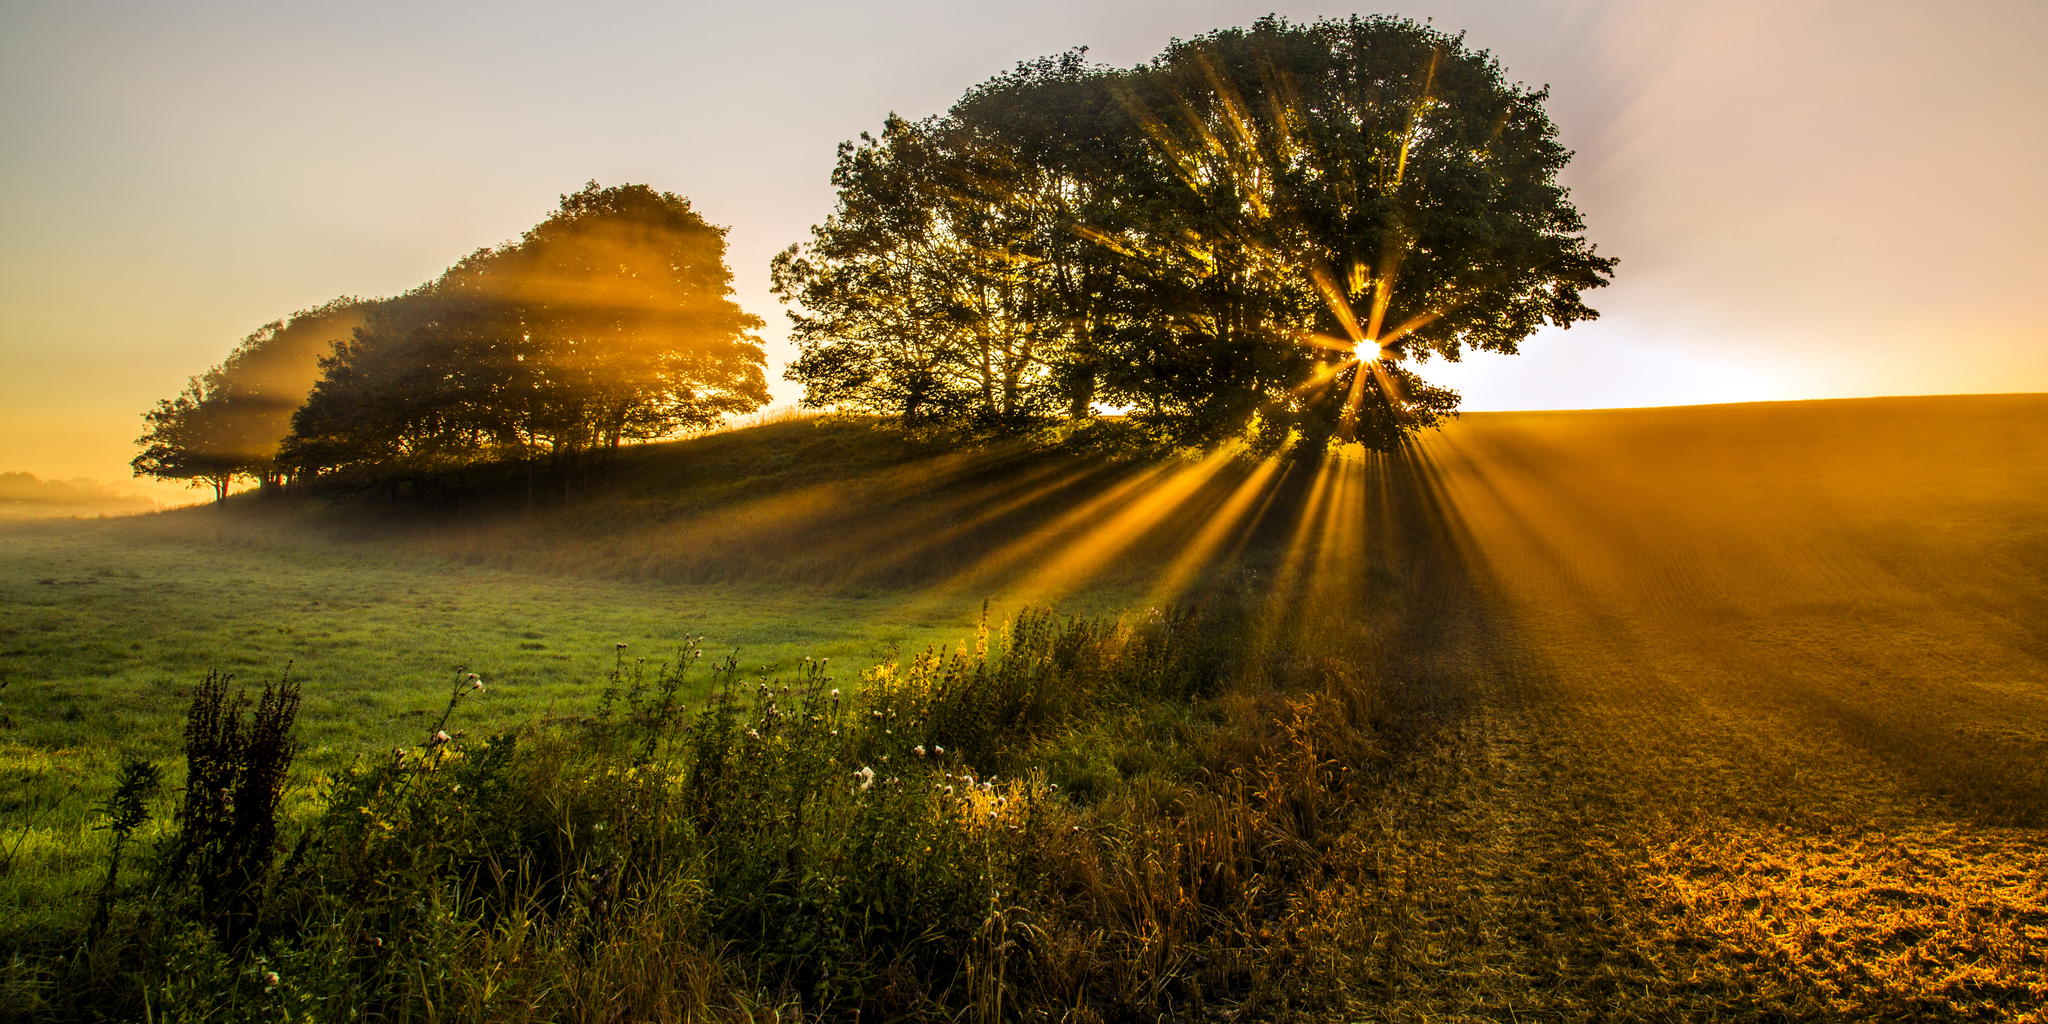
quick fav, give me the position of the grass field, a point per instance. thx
(1762, 701)
(1731, 711)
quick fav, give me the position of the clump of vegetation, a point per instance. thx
(994, 831)
(235, 773)
(1397, 787)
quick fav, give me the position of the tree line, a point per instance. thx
(610, 321)
(1256, 235)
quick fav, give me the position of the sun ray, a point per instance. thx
(1002, 562)
(1296, 553)
(1231, 516)
(1096, 549)
(1415, 112)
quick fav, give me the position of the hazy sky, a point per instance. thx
(1809, 199)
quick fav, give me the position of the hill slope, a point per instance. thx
(1736, 711)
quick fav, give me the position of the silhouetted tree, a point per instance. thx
(610, 321)
(180, 441)
(1260, 229)
(956, 278)
(883, 284)
(229, 422)
(1400, 195)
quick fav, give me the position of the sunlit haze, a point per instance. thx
(1808, 199)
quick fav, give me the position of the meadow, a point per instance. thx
(1722, 712)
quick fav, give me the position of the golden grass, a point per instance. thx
(1751, 718)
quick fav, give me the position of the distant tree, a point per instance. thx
(610, 321)
(268, 376)
(229, 422)
(627, 327)
(182, 441)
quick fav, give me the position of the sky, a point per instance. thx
(1808, 198)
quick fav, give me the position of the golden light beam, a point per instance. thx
(914, 540)
(1095, 549)
(1229, 517)
(1329, 342)
(1347, 420)
(1324, 374)
(1295, 555)
(1340, 305)
(1074, 520)
(1415, 111)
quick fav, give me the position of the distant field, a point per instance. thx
(1869, 577)
(1753, 695)
(1762, 700)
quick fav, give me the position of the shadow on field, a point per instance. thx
(1813, 572)
(1833, 593)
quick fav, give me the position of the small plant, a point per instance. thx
(125, 810)
(235, 773)
(466, 684)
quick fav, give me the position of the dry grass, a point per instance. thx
(1758, 697)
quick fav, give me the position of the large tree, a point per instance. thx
(1262, 227)
(954, 279)
(884, 284)
(1396, 174)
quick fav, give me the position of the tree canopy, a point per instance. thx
(610, 321)
(1254, 234)
(231, 421)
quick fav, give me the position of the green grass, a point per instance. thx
(105, 631)
(105, 628)
(741, 540)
